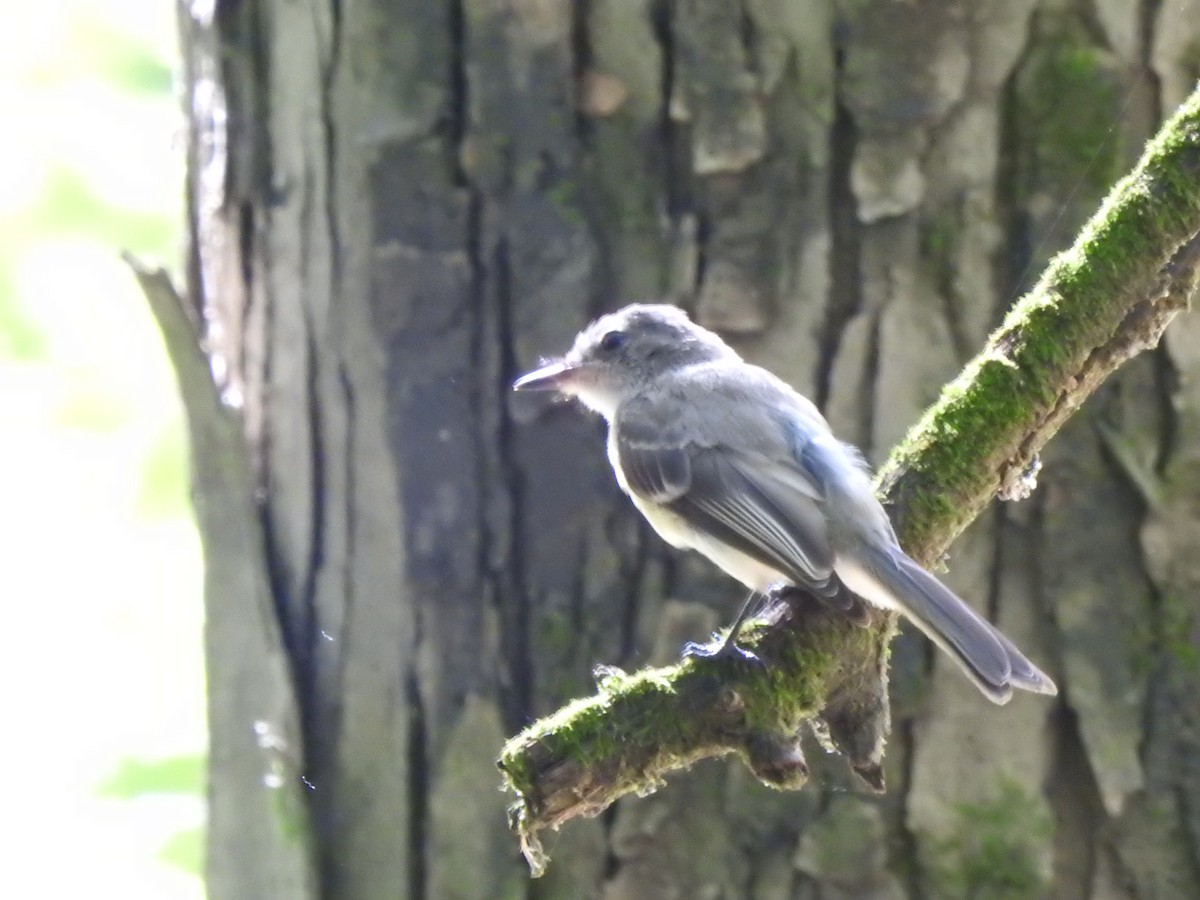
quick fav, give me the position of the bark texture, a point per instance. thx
(395, 207)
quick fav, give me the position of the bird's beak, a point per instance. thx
(552, 377)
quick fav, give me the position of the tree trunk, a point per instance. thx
(396, 207)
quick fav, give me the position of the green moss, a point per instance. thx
(784, 696)
(557, 634)
(586, 730)
(940, 237)
(643, 718)
(996, 848)
(981, 417)
(565, 196)
(990, 397)
(627, 195)
(1068, 104)
(1178, 617)
(291, 813)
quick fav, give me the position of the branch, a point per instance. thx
(1132, 268)
(258, 819)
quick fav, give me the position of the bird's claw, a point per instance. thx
(719, 649)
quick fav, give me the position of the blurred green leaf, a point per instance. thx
(101, 49)
(185, 850)
(169, 775)
(20, 336)
(132, 66)
(89, 406)
(69, 204)
(163, 490)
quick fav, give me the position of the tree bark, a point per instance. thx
(395, 207)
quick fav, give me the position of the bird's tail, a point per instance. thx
(989, 658)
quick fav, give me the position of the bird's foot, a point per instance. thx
(719, 648)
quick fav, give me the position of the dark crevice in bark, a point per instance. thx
(576, 603)
(1120, 472)
(457, 112)
(418, 788)
(845, 248)
(285, 604)
(509, 584)
(612, 862)
(1166, 378)
(590, 202)
(1074, 799)
(303, 611)
(1147, 16)
(581, 64)
(243, 49)
(281, 591)
(1171, 708)
(241, 94)
(905, 866)
(348, 406)
(959, 340)
(1192, 838)
(246, 233)
(318, 711)
(1043, 606)
(668, 561)
(634, 579)
(631, 571)
(1015, 253)
(329, 122)
(748, 35)
(307, 664)
(870, 387)
(1000, 539)
(944, 262)
(704, 231)
(675, 171)
(1087, 14)
(1166, 375)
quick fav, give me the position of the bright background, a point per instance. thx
(101, 678)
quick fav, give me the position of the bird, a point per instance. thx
(723, 457)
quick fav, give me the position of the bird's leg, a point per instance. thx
(727, 646)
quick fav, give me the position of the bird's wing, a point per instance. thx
(770, 509)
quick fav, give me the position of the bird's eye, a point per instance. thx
(612, 341)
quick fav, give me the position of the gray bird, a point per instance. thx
(723, 457)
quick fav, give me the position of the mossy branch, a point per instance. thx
(1132, 268)
(1107, 298)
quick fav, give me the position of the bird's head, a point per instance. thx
(621, 352)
